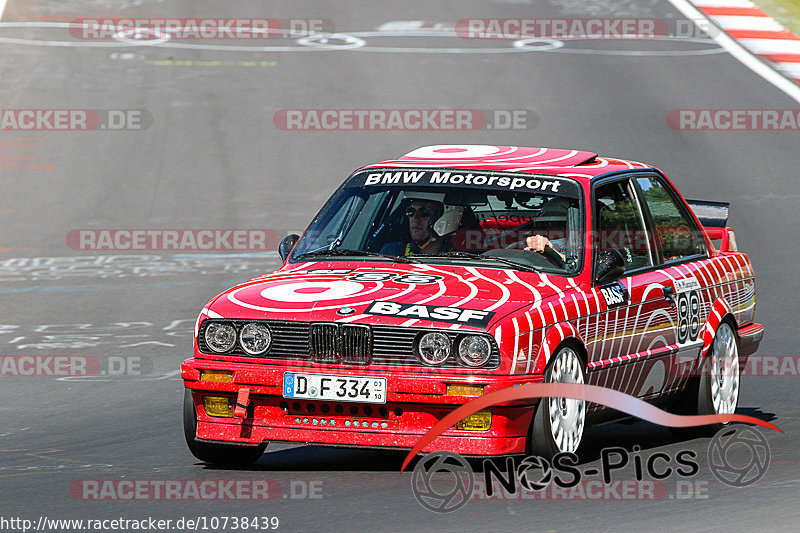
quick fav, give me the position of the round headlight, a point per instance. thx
(255, 338)
(474, 350)
(434, 348)
(220, 337)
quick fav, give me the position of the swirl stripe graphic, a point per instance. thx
(589, 393)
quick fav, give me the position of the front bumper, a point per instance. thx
(415, 402)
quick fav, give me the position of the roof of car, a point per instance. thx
(551, 161)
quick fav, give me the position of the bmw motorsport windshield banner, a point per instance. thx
(499, 181)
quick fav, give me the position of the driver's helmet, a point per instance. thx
(445, 219)
(449, 221)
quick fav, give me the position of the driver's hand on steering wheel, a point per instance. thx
(537, 243)
(540, 243)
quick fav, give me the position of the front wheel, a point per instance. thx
(212, 452)
(558, 422)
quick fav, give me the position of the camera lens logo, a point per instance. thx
(442, 482)
(738, 455)
(527, 473)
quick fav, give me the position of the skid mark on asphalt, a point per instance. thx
(21, 152)
(66, 465)
(112, 337)
(207, 63)
(96, 267)
(155, 377)
(32, 470)
(363, 41)
(11, 433)
(108, 287)
(69, 11)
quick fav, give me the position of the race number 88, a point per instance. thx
(409, 279)
(688, 316)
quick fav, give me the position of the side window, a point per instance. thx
(618, 224)
(676, 234)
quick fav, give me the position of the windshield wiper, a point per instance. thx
(347, 252)
(480, 257)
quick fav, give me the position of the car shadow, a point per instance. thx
(336, 459)
(324, 458)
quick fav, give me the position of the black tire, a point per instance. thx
(541, 439)
(213, 452)
(699, 396)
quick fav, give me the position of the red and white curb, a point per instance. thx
(757, 32)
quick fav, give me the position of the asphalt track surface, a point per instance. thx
(212, 158)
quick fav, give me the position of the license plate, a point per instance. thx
(336, 388)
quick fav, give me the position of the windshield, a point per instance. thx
(441, 217)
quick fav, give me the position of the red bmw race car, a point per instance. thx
(458, 270)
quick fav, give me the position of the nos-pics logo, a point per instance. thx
(730, 442)
(444, 481)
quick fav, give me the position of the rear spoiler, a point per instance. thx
(711, 214)
(714, 218)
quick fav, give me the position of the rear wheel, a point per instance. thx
(716, 390)
(558, 422)
(723, 381)
(212, 452)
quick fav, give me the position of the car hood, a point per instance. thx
(388, 294)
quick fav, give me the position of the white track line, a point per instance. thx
(791, 69)
(771, 46)
(725, 3)
(740, 52)
(732, 22)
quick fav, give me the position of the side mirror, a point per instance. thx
(609, 266)
(286, 245)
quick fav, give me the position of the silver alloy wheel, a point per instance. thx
(567, 416)
(724, 380)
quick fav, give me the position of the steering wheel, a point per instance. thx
(535, 259)
(549, 253)
(553, 256)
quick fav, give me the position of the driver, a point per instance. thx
(421, 215)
